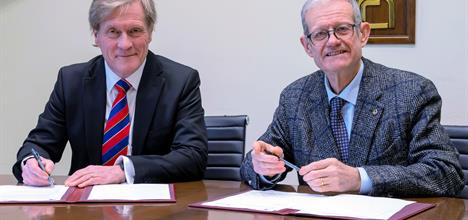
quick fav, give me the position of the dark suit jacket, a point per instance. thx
(396, 134)
(169, 135)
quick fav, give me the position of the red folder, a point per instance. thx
(406, 212)
(81, 195)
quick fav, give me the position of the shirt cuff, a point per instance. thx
(129, 169)
(366, 183)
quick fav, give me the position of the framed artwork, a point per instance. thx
(392, 21)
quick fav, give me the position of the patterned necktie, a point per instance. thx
(339, 128)
(117, 128)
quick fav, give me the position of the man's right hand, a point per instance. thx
(266, 164)
(33, 175)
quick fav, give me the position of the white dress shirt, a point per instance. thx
(111, 93)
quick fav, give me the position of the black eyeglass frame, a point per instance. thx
(332, 30)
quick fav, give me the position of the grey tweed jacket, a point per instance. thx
(396, 135)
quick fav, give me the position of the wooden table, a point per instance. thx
(187, 193)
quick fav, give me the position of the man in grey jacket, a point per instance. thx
(354, 125)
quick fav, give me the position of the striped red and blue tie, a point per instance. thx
(117, 128)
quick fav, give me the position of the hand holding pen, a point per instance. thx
(41, 165)
(36, 170)
(267, 160)
(287, 163)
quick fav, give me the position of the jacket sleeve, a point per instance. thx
(188, 153)
(277, 134)
(49, 137)
(432, 167)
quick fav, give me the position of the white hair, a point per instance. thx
(311, 3)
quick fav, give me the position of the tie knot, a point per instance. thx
(123, 85)
(337, 104)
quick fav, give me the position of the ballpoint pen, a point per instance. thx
(287, 163)
(41, 165)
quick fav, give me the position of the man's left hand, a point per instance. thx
(331, 175)
(96, 175)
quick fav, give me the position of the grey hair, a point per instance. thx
(310, 3)
(100, 9)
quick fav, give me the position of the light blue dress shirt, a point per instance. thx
(350, 94)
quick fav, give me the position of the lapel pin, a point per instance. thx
(375, 111)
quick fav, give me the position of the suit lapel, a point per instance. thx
(324, 142)
(149, 91)
(367, 114)
(94, 105)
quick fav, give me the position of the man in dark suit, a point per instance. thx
(355, 125)
(129, 115)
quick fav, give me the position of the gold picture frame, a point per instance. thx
(392, 21)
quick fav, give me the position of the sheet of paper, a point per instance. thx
(259, 200)
(11, 193)
(130, 192)
(345, 205)
(358, 206)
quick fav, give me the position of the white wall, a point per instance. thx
(246, 51)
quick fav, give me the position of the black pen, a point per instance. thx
(41, 165)
(287, 163)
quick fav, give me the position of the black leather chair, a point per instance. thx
(459, 137)
(226, 140)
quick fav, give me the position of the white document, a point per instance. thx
(345, 205)
(58, 193)
(12, 193)
(130, 192)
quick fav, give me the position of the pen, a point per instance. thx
(287, 163)
(41, 165)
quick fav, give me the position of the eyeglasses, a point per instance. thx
(342, 31)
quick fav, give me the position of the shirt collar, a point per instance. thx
(133, 79)
(350, 92)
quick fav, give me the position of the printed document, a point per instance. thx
(11, 193)
(130, 192)
(344, 205)
(97, 193)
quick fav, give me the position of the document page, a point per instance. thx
(12, 193)
(131, 192)
(260, 200)
(355, 206)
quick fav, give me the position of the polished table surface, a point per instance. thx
(187, 193)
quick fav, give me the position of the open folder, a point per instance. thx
(97, 193)
(344, 206)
